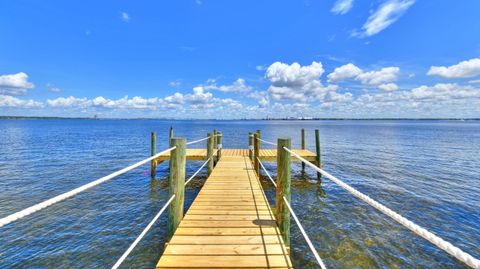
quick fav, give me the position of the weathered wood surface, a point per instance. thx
(269, 155)
(229, 225)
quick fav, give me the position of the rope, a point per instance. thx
(205, 163)
(134, 244)
(310, 245)
(196, 141)
(437, 241)
(32, 209)
(266, 172)
(267, 142)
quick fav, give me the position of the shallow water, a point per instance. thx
(427, 171)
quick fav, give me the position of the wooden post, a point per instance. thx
(303, 147)
(318, 157)
(283, 188)
(256, 151)
(214, 145)
(177, 183)
(171, 133)
(219, 145)
(153, 163)
(210, 153)
(250, 146)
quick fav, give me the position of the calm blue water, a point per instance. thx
(428, 171)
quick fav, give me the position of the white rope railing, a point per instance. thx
(32, 209)
(144, 232)
(267, 142)
(310, 245)
(266, 172)
(196, 141)
(434, 239)
(198, 171)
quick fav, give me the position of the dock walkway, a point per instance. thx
(230, 224)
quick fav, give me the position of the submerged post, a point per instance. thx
(250, 146)
(210, 153)
(256, 151)
(219, 145)
(318, 159)
(283, 188)
(177, 183)
(303, 147)
(153, 163)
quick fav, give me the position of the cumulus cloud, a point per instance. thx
(388, 87)
(238, 85)
(342, 6)
(344, 72)
(464, 69)
(386, 14)
(297, 83)
(284, 75)
(15, 84)
(381, 78)
(261, 96)
(386, 74)
(10, 101)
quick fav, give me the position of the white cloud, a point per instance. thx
(342, 6)
(53, 88)
(15, 84)
(297, 83)
(344, 72)
(386, 74)
(10, 101)
(174, 84)
(261, 97)
(68, 102)
(284, 75)
(238, 85)
(388, 87)
(464, 69)
(125, 16)
(387, 13)
(446, 91)
(381, 78)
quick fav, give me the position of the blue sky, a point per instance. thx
(240, 59)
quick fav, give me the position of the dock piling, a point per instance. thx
(303, 147)
(219, 146)
(177, 183)
(283, 188)
(318, 156)
(250, 146)
(210, 153)
(256, 151)
(171, 133)
(153, 163)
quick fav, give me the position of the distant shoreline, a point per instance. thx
(253, 119)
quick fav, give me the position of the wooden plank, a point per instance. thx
(270, 261)
(202, 231)
(225, 240)
(228, 223)
(258, 249)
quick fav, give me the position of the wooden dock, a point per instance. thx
(268, 155)
(230, 224)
